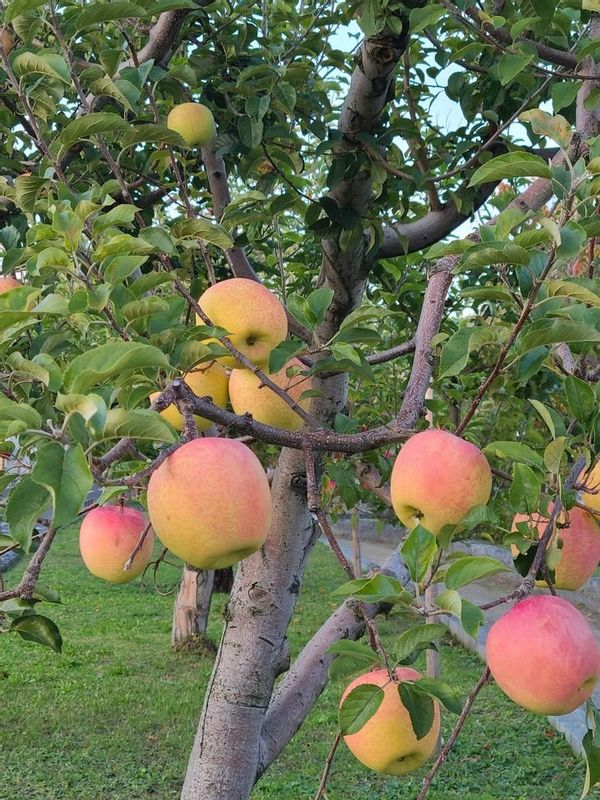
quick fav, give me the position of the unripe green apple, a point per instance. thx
(194, 122)
(387, 742)
(544, 655)
(437, 477)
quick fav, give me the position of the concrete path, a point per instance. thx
(572, 726)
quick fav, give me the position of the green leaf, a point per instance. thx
(116, 358)
(418, 552)
(554, 331)
(471, 617)
(94, 123)
(455, 354)
(524, 493)
(11, 411)
(471, 568)
(511, 165)
(591, 751)
(358, 707)
(419, 706)
(65, 473)
(28, 64)
(250, 131)
(318, 302)
(39, 629)
(514, 451)
(152, 132)
(511, 64)
(378, 589)
(120, 267)
(581, 399)
(554, 453)
(345, 647)
(412, 638)
(564, 288)
(104, 12)
(26, 504)
(138, 424)
(201, 229)
(18, 7)
(442, 691)
(545, 415)
(283, 352)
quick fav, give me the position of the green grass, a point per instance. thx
(113, 717)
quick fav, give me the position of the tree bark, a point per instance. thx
(192, 605)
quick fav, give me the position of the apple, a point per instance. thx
(194, 122)
(210, 502)
(107, 538)
(7, 282)
(437, 477)
(590, 495)
(204, 381)
(252, 315)
(544, 655)
(387, 742)
(580, 552)
(250, 396)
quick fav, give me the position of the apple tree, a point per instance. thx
(416, 183)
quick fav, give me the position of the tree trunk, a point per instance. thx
(192, 604)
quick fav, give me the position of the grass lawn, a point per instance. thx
(113, 717)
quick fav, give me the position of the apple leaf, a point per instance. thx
(591, 751)
(418, 552)
(65, 474)
(378, 589)
(350, 658)
(26, 503)
(39, 629)
(471, 568)
(115, 359)
(358, 707)
(415, 637)
(442, 691)
(419, 706)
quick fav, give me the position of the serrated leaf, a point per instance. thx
(416, 636)
(565, 288)
(581, 399)
(420, 708)
(283, 352)
(26, 504)
(91, 124)
(39, 629)
(471, 568)
(17, 8)
(511, 165)
(138, 424)
(378, 589)
(514, 451)
(442, 691)
(96, 13)
(525, 489)
(201, 229)
(554, 331)
(358, 707)
(115, 358)
(65, 474)
(27, 64)
(545, 415)
(418, 551)
(152, 132)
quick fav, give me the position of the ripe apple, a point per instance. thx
(7, 282)
(204, 381)
(437, 477)
(387, 742)
(580, 550)
(590, 496)
(544, 655)
(250, 396)
(194, 122)
(210, 502)
(253, 316)
(107, 538)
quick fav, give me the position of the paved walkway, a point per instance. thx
(571, 725)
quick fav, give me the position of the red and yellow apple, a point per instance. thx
(437, 477)
(107, 538)
(204, 381)
(544, 655)
(387, 742)
(580, 552)
(250, 396)
(194, 122)
(7, 282)
(210, 502)
(252, 315)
